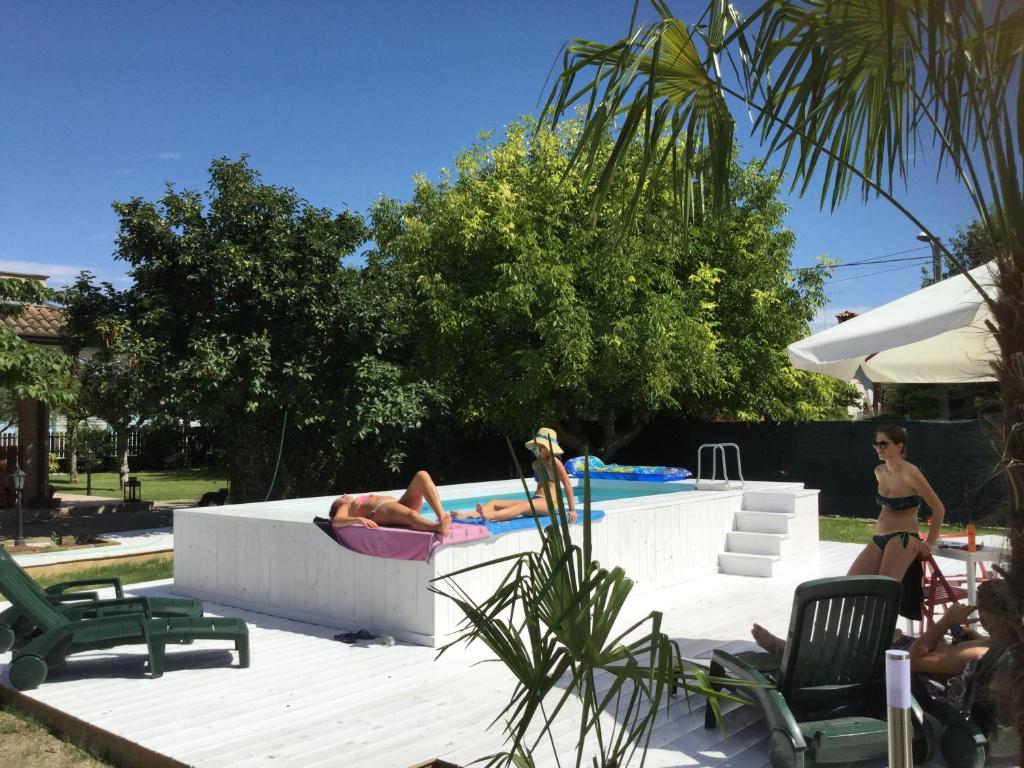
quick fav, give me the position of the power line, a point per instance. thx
(922, 258)
(883, 259)
(870, 274)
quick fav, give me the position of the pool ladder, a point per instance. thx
(714, 483)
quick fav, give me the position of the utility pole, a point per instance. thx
(924, 237)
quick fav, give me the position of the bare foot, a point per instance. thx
(767, 640)
(464, 514)
(444, 525)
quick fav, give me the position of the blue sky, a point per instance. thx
(343, 101)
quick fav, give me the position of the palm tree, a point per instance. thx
(842, 93)
(557, 622)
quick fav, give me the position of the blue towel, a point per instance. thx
(523, 523)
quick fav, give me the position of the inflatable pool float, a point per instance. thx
(601, 471)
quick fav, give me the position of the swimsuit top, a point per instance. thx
(898, 503)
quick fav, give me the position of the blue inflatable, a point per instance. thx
(601, 471)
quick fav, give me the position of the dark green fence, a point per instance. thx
(837, 458)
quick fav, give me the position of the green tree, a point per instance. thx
(29, 370)
(530, 311)
(116, 381)
(971, 246)
(842, 92)
(240, 298)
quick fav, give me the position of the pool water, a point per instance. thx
(600, 490)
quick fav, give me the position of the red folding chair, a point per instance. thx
(939, 593)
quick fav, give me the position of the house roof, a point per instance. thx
(38, 323)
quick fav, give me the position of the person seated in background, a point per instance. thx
(949, 664)
(548, 471)
(374, 510)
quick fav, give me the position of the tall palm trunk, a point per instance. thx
(1009, 319)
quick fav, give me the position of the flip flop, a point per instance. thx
(352, 637)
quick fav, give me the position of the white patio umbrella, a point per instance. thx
(936, 335)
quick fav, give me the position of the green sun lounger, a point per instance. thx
(824, 697)
(16, 627)
(58, 634)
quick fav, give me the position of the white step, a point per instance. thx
(740, 564)
(763, 522)
(769, 501)
(750, 543)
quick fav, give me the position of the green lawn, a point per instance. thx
(859, 530)
(128, 573)
(156, 486)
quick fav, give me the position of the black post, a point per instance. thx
(19, 541)
(87, 460)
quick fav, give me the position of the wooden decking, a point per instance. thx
(310, 701)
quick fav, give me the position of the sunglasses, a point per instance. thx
(882, 444)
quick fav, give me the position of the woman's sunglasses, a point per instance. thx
(882, 444)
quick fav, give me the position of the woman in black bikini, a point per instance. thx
(896, 545)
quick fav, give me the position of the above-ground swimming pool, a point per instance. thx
(601, 491)
(270, 558)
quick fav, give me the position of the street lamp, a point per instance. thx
(18, 481)
(924, 237)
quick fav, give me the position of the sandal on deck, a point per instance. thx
(353, 637)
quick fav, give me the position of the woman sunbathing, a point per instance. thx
(374, 510)
(548, 472)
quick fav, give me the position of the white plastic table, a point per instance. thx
(993, 548)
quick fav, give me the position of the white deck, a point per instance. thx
(269, 558)
(310, 701)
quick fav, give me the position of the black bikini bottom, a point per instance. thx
(882, 539)
(913, 591)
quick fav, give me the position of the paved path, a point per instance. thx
(128, 543)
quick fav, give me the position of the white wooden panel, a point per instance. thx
(308, 701)
(270, 558)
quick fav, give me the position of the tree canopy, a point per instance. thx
(28, 370)
(238, 297)
(529, 310)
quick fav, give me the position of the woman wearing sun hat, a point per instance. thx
(548, 471)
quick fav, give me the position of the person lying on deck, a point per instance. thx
(374, 510)
(949, 663)
(548, 471)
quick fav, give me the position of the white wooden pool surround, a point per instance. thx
(309, 702)
(270, 558)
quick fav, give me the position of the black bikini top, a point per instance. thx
(898, 503)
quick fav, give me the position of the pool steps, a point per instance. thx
(774, 533)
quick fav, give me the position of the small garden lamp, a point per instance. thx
(132, 489)
(17, 476)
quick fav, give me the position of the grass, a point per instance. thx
(858, 530)
(156, 486)
(27, 743)
(128, 573)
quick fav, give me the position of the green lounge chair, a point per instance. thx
(60, 635)
(968, 740)
(16, 627)
(824, 697)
